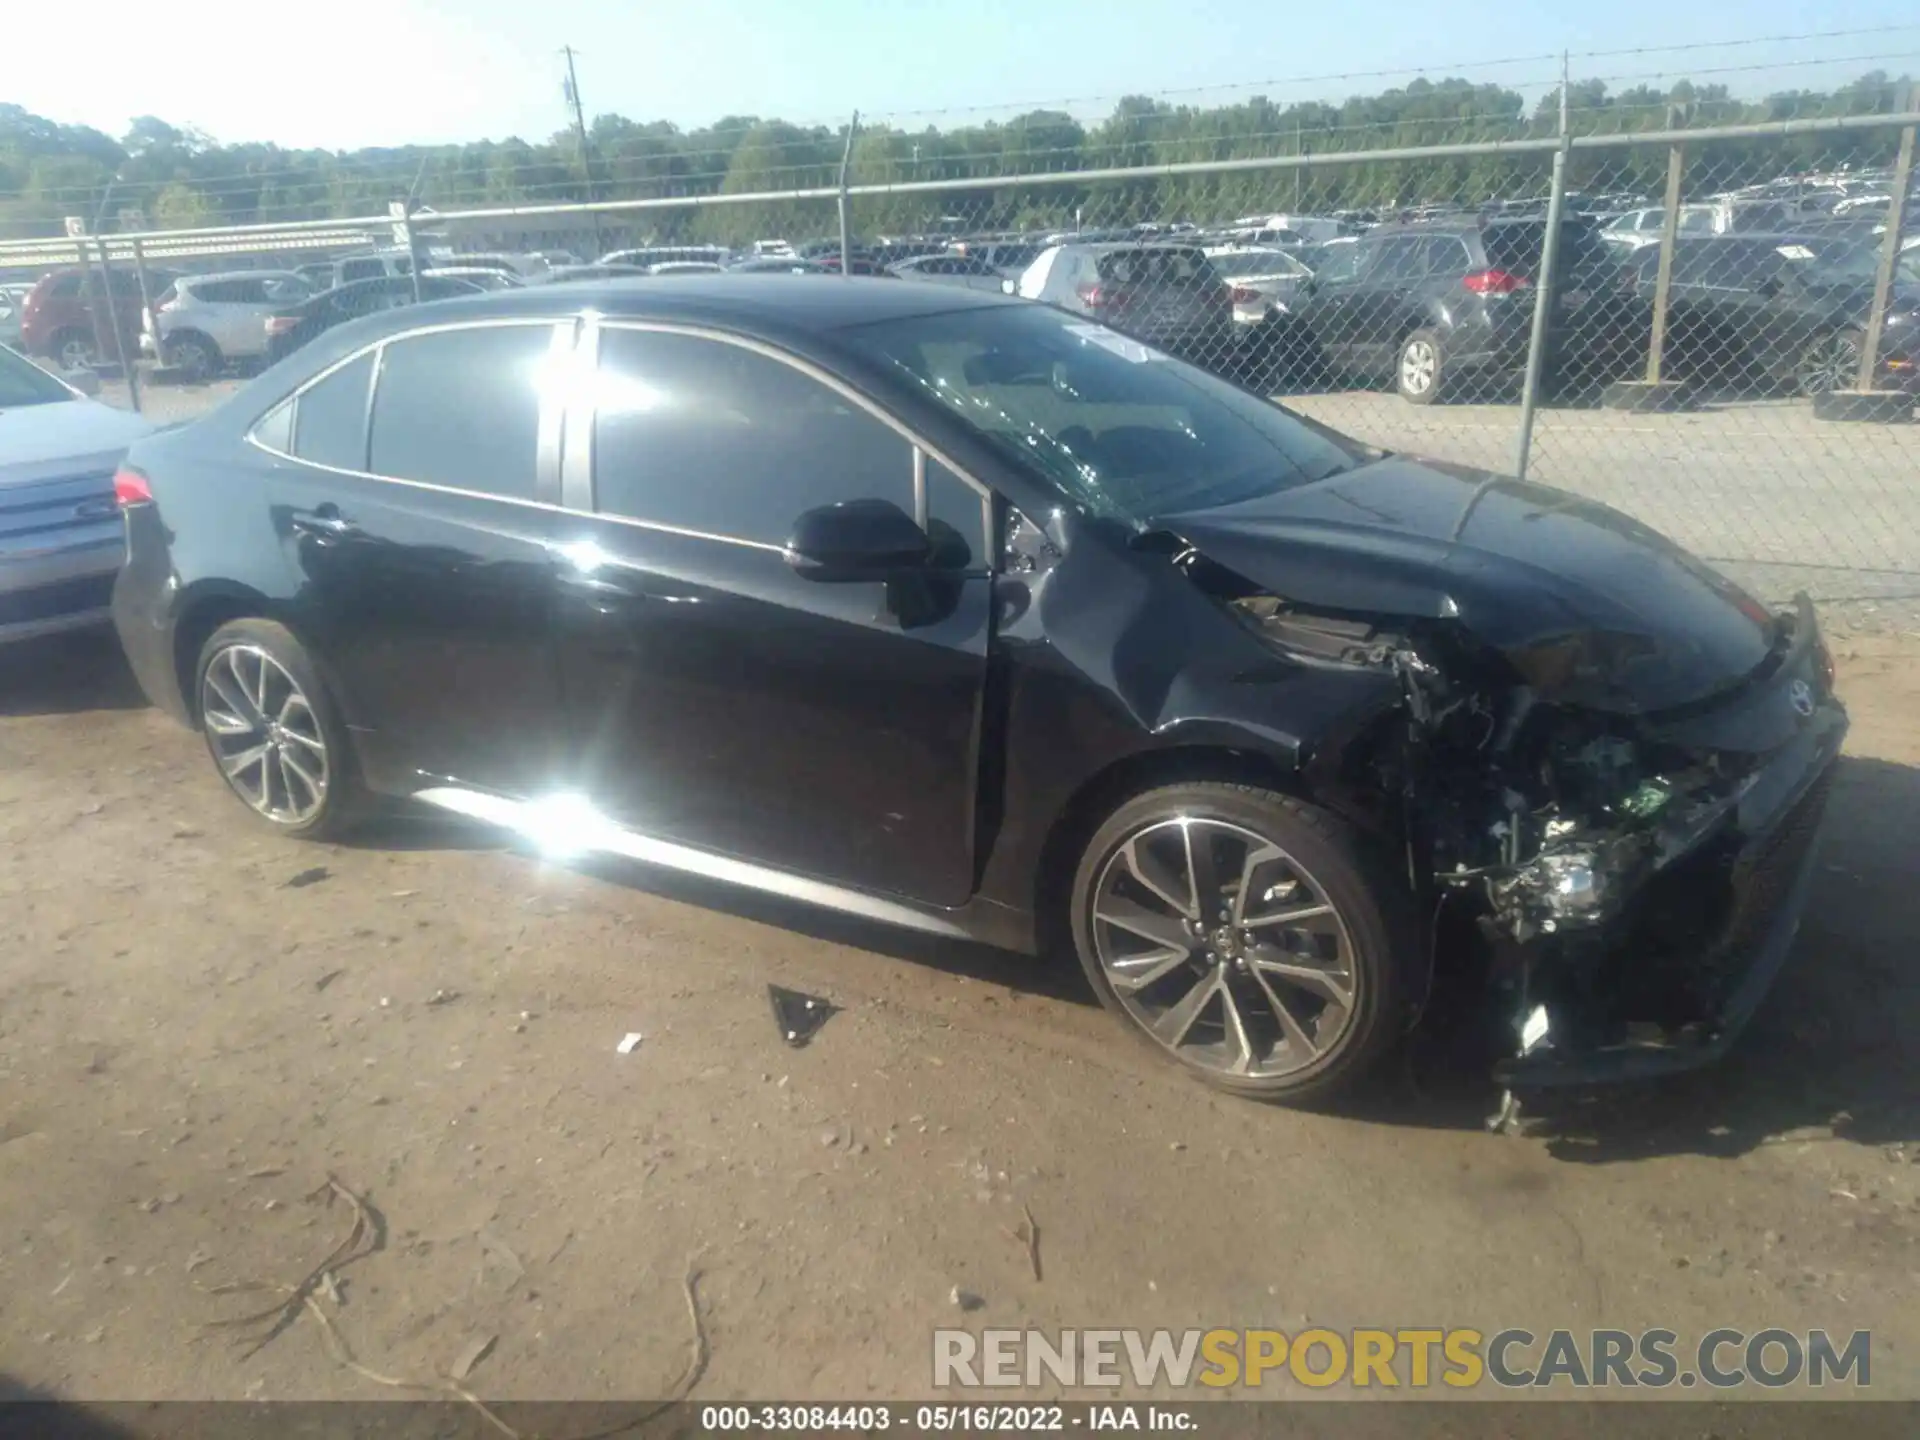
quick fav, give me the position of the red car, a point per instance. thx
(58, 322)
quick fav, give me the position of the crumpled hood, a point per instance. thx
(1593, 607)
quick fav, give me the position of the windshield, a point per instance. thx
(1120, 429)
(24, 383)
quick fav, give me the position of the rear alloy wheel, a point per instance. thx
(269, 726)
(194, 357)
(1246, 935)
(1830, 362)
(1421, 369)
(74, 350)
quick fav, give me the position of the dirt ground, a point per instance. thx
(192, 1040)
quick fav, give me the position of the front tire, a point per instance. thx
(1420, 370)
(1830, 362)
(274, 731)
(1250, 937)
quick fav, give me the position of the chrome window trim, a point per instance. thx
(921, 449)
(560, 325)
(919, 487)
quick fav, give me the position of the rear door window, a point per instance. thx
(461, 408)
(1448, 255)
(330, 418)
(1182, 268)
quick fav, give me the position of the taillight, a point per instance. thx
(1095, 295)
(130, 487)
(1241, 295)
(1495, 282)
(281, 324)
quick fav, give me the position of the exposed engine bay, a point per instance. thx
(1603, 859)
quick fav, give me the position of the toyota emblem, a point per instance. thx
(1800, 694)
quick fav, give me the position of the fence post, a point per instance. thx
(846, 163)
(99, 282)
(130, 369)
(150, 318)
(402, 213)
(1889, 248)
(1544, 290)
(1669, 230)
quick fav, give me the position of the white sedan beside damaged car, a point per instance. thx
(60, 532)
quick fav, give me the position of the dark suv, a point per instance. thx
(1778, 312)
(1443, 308)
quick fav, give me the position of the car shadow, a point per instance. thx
(1828, 1057)
(66, 675)
(26, 1411)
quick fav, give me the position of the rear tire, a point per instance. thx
(1420, 370)
(274, 731)
(75, 350)
(1252, 938)
(194, 356)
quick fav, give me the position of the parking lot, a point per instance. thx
(200, 1023)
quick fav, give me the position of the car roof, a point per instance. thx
(799, 305)
(237, 275)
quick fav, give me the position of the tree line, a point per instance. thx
(161, 176)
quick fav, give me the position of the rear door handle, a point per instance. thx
(326, 522)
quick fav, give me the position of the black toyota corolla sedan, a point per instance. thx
(957, 612)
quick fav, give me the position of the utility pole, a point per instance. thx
(586, 150)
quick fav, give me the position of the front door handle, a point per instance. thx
(326, 522)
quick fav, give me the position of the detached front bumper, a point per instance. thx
(1759, 863)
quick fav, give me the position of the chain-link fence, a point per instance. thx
(1712, 327)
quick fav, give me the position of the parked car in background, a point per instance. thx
(60, 535)
(1167, 295)
(207, 322)
(969, 616)
(330, 274)
(57, 321)
(860, 262)
(650, 255)
(1286, 230)
(1272, 277)
(1644, 226)
(289, 329)
(777, 265)
(485, 277)
(559, 274)
(967, 271)
(1009, 257)
(512, 264)
(685, 267)
(10, 304)
(1444, 308)
(1753, 312)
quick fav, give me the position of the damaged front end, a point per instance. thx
(1634, 874)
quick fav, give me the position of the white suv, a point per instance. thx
(207, 321)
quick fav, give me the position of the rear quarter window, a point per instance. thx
(330, 417)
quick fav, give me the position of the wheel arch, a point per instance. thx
(1106, 789)
(209, 606)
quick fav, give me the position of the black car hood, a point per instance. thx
(1592, 607)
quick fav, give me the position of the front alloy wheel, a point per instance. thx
(1223, 948)
(1832, 362)
(1250, 937)
(265, 735)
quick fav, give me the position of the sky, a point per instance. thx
(392, 72)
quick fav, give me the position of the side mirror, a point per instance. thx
(857, 540)
(87, 382)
